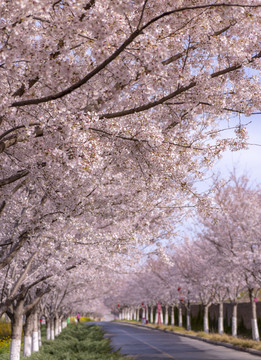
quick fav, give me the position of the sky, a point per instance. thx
(244, 161)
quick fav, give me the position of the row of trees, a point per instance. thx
(221, 264)
(108, 117)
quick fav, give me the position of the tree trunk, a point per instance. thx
(166, 315)
(205, 320)
(188, 317)
(17, 327)
(172, 315)
(64, 324)
(27, 346)
(138, 314)
(52, 328)
(28, 329)
(147, 314)
(56, 326)
(255, 331)
(35, 345)
(48, 329)
(39, 335)
(59, 325)
(143, 313)
(157, 317)
(180, 316)
(221, 319)
(234, 320)
(151, 314)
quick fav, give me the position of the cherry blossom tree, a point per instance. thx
(195, 268)
(233, 228)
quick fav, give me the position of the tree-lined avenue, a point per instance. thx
(111, 114)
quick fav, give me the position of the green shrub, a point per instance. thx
(77, 342)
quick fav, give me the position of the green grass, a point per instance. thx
(76, 342)
(237, 341)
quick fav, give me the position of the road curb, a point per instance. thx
(218, 343)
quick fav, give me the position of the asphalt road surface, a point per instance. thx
(146, 344)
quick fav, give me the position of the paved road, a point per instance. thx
(146, 344)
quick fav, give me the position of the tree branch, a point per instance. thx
(16, 128)
(193, 47)
(21, 240)
(150, 104)
(19, 175)
(90, 4)
(7, 243)
(179, 91)
(83, 80)
(20, 92)
(37, 300)
(48, 276)
(14, 295)
(142, 13)
(22, 277)
(178, 56)
(128, 41)
(2, 206)
(7, 142)
(62, 298)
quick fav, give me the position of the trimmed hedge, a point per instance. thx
(76, 342)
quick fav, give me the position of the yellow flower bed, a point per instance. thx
(5, 337)
(82, 319)
(85, 319)
(5, 345)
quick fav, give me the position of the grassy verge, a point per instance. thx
(239, 341)
(76, 342)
